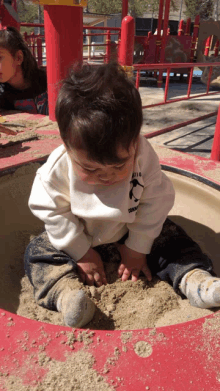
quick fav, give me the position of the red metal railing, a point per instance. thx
(110, 48)
(34, 42)
(215, 153)
(168, 67)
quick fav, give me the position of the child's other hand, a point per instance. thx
(91, 270)
(132, 263)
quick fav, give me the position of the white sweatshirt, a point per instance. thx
(78, 216)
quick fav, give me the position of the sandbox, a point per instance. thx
(109, 355)
(164, 307)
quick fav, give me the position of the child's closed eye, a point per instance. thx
(120, 167)
(95, 169)
(89, 169)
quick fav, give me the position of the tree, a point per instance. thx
(105, 6)
(136, 7)
(28, 12)
(204, 8)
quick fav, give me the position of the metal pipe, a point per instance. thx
(190, 82)
(188, 25)
(181, 28)
(124, 9)
(182, 124)
(137, 84)
(179, 100)
(108, 47)
(159, 24)
(207, 45)
(126, 49)
(176, 65)
(209, 80)
(164, 37)
(215, 153)
(167, 85)
(195, 36)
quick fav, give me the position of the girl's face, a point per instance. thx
(97, 174)
(9, 66)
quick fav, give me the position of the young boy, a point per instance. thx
(105, 185)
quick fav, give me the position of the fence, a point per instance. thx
(110, 48)
(35, 43)
(168, 67)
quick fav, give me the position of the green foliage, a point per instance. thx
(28, 12)
(136, 7)
(204, 8)
(105, 6)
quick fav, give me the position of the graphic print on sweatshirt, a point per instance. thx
(136, 190)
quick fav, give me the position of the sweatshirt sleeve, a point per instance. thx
(65, 231)
(156, 201)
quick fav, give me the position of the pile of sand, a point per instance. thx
(120, 305)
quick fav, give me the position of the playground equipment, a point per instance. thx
(170, 358)
(179, 357)
(8, 14)
(158, 54)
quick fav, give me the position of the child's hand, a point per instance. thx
(91, 270)
(132, 263)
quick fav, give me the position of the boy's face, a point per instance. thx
(97, 174)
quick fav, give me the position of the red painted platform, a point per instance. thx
(15, 153)
(184, 357)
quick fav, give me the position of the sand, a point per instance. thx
(119, 305)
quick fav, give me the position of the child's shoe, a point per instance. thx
(201, 288)
(76, 307)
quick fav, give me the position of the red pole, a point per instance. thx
(190, 77)
(163, 43)
(137, 84)
(167, 85)
(126, 50)
(124, 9)
(119, 42)
(25, 36)
(181, 28)
(39, 51)
(108, 47)
(216, 48)
(188, 25)
(33, 44)
(207, 45)
(159, 24)
(195, 36)
(215, 154)
(64, 43)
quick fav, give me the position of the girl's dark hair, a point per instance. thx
(99, 109)
(12, 40)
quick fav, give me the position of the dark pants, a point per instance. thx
(173, 254)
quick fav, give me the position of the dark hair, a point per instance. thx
(99, 109)
(12, 40)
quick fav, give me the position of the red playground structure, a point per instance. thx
(36, 355)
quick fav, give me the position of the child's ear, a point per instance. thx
(19, 57)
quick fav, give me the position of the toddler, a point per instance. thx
(105, 185)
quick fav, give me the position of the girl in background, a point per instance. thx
(23, 86)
